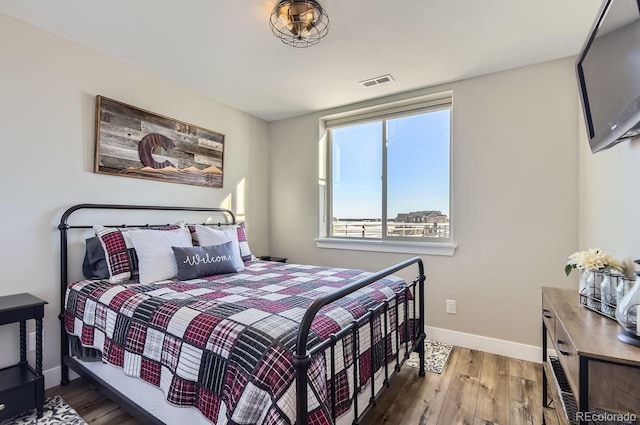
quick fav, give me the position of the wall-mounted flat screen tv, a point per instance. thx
(608, 70)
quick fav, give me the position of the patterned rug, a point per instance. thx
(436, 355)
(56, 412)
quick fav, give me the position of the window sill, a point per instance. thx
(419, 248)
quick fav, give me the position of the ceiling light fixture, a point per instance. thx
(299, 23)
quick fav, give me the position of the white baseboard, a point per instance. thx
(483, 343)
(476, 342)
(52, 376)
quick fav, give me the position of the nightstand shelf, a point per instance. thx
(275, 259)
(17, 390)
(21, 386)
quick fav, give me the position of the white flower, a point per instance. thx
(592, 259)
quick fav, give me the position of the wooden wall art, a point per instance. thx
(132, 142)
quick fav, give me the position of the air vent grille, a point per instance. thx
(377, 81)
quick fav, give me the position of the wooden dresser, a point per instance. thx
(591, 364)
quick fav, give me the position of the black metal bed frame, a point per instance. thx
(303, 354)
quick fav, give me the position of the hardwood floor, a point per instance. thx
(93, 406)
(475, 388)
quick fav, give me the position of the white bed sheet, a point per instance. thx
(153, 400)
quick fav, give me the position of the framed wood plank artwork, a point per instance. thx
(132, 142)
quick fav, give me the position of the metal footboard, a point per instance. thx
(303, 354)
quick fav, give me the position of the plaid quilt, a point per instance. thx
(223, 344)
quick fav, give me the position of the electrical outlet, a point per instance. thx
(31, 344)
(451, 306)
(31, 341)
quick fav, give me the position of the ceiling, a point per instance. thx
(225, 49)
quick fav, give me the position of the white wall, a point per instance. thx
(515, 163)
(47, 111)
(514, 200)
(609, 201)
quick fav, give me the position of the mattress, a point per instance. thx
(153, 400)
(223, 344)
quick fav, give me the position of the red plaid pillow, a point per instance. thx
(121, 257)
(245, 251)
(194, 236)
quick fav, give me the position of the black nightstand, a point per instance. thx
(22, 387)
(270, 258)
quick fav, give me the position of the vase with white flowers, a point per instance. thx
(593, 263)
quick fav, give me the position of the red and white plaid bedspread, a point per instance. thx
(223, 344)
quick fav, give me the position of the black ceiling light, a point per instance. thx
(299, 23)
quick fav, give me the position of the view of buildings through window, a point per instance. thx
(391, 177)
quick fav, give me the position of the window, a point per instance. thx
(389, 174)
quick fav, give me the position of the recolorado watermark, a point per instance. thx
(624, 418)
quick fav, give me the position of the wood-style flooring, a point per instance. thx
(475, 388)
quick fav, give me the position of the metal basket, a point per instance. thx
(604, 291)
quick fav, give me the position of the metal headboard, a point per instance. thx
(64, 227)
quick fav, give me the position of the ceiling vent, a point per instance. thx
(377, 81)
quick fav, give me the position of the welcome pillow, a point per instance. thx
(245, 250)
(199, 261)
(209, 236)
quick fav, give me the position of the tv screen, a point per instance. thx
(608, 70)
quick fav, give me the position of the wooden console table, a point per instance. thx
(592, 366)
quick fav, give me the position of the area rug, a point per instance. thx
(436, 355)
(56, 412)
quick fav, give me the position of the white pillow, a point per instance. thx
(210, 236)
(156, 260)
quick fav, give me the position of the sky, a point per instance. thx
(418, 166)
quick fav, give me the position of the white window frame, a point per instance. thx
(428, 246)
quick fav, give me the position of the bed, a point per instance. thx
(272, 343)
